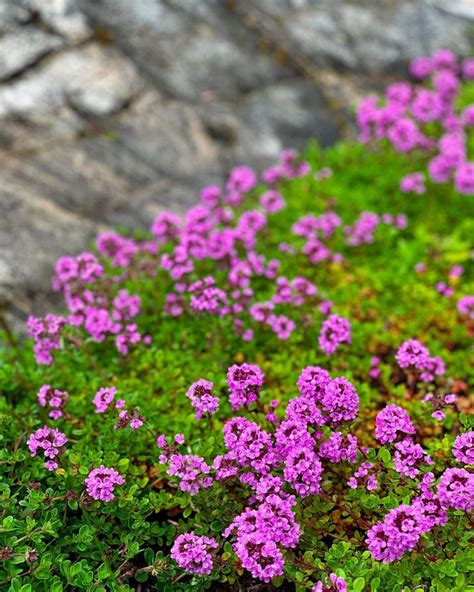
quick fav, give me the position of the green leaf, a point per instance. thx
(385, 455)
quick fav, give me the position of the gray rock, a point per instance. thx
(22, 48)
(194, 51)
(463, 9)
(33, 234)
(321, 36)
(281, 115)
(63, 17)
(95, 79)
(370, 37)
(12, 14)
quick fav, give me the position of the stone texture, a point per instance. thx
(95, 80)
(111, 110)
(63, 17)
(19, 50)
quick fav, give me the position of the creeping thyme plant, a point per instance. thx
(270, 391)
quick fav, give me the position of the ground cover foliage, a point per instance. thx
(271, 392)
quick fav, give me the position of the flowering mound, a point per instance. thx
(427, 118)
(270, 391)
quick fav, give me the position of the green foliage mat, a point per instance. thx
(124, 545)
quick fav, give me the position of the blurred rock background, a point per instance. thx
(111, 110)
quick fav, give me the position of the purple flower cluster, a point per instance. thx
(100, 483)
(249, 445)
(402, 528)
(100, 312)
(259, 531)
(272, 465)
(272, 202)
(218, 233)
(193, 553)
(465, 306)
(316, 230)
(374, 371)
(334, 331)
(392, 423)
(409, 112)
(92, 306)
(323, 399)
(326, 400)
(47, 336)
(192, 471)
(456, 489)
(413, 183)
(52, 443)
(409, 457)
(104, 398)
(290, 167)
(444, 289)
(333, 583)
(245, 382)
(317, 227)
(202, 399)
(126, 419)
(213, 231)
(287, 463)
(54, 399)
(463, 448)
(339, 448)
(362, 477)
(303, 471)
(363, 230)
(414, 356)
(438, 402)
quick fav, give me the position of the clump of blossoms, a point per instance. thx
(401, 530)
(333, 583)
(417, 118)
(259, 531)
(465, 306)
(363, 477)
(415, 357)
(47, 336)
(463, 448)
(392, 423)
(126, 419)
(439, 402)
(202, 399)
(374, 371)
(317, 230)
(334, 331)
(363, 230)
(255, 458)
(304, 455)
(338, 448)
(456, 489)
(104, 398)
(101, 482)
(192, 471)
(409, 457)
(245, 382)
(194, 553)
(53, 399)
(51, 442)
